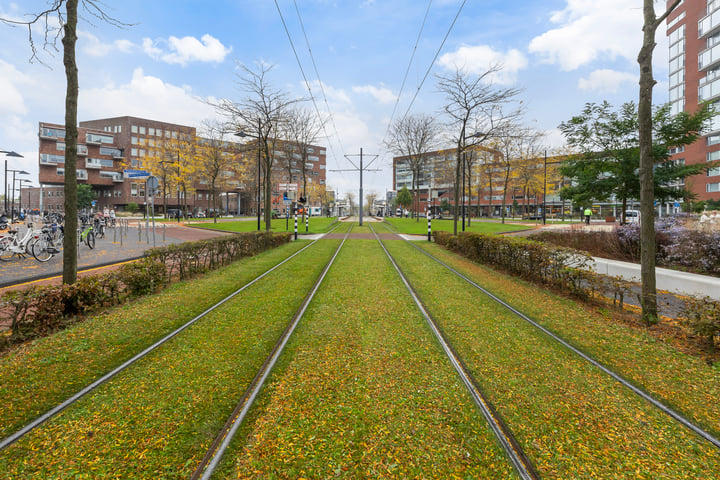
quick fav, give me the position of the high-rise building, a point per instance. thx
(693, 31)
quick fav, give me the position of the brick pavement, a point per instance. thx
(115, 248)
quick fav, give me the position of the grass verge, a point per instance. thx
(414, 227)
(364, 391)
(38, 375)
(315, 225)
(573, 421)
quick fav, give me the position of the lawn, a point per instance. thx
(315, 224)
(419, 226)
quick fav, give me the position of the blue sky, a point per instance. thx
(175, 55)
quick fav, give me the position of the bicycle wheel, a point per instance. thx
(41, 250)
(90, 239)
(5, 253)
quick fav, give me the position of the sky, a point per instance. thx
(170, 60)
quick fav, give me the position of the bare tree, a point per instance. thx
(473, 107)
(259, 115)
(215, 159)
(301, 129)
(413, 137)
(516, 145)
(647, 183)
(68, 22)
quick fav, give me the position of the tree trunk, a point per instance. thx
(647, 219)
(71, 136)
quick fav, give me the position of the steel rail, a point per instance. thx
(596, 363)
(9, 440)
(522, 464)
(214, 455)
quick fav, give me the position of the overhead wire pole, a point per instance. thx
(360, 169)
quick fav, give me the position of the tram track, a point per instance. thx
(83, 392)
(521, 463)
(640, 392)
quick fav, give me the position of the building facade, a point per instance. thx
(693, 31)
(114, 155)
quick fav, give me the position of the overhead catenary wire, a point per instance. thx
(437, 54)
(307, 83)
(407, 71)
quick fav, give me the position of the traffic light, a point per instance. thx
(301, 200)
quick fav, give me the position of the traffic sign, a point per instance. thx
(152, 183)
(288, 187)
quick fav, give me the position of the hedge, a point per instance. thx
(567, 269)
(41, 310)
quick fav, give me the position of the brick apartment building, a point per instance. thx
(111, 155)
(693, 30)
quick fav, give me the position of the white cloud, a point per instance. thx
(382, 95)
(11, 100)
(91, 45)
(147, 97)
(187, 49)
(607, 81)
(478, 59)
(589, 30)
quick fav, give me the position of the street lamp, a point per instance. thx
(259, 136)
(21, 180)
(8, 154)
(12, 208)
(545, 187)
(462, 209)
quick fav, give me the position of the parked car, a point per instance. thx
(632, 216)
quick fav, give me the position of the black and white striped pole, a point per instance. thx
(429, 217)
(296, 222)
(307, 220)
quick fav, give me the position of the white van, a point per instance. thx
(632, 216)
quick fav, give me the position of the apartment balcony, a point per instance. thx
(709, 25)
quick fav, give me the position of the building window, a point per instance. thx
(151, 131)
(134, 140)
(134, 129)
(713, 187)
(142, 130)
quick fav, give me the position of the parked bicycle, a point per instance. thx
(99, 226)
(87, 235)
(12, 244)
(47, 243)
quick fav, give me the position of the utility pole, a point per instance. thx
(360, 169)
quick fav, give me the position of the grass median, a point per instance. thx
(572, 420)
(157, 418)
(315, 225)
(364, 391)
(36, 376)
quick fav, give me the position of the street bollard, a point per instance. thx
(295, 224)
(139, 232)
(307, 221)
(164, 232)
(429, 224)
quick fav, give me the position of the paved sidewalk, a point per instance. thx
(119, 244)
(682, 283)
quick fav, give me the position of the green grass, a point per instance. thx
(156, 419)
(364, 391)
(39, 375)
(316, 225)
(419, 227)
(572, 420)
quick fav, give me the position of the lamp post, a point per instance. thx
(12, 207)
(259, 136)
(21, 180)
(544, 207)
(8, 154)
(462, 209)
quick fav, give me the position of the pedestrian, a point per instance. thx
(587, 213)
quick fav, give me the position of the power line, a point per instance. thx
(317, 73)
(407, 71)
(437, 54)
(307, 83)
